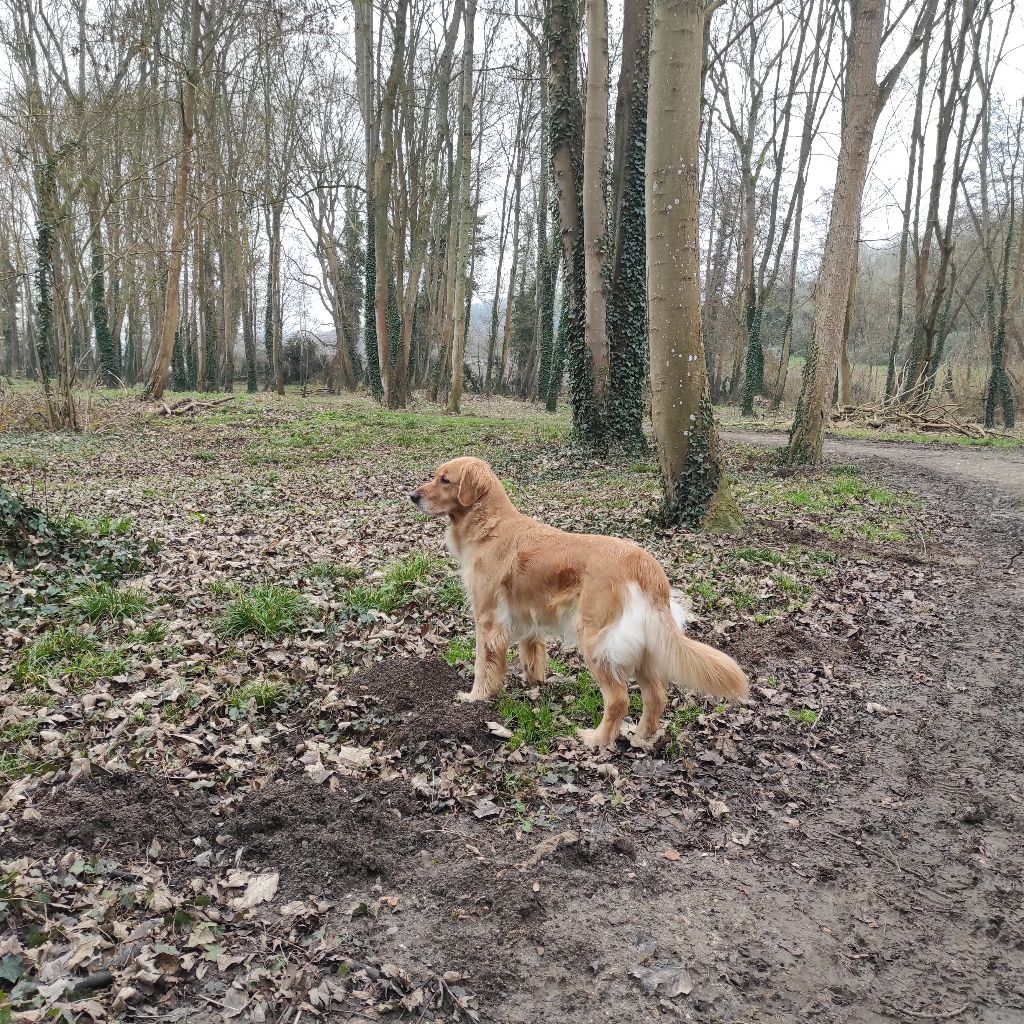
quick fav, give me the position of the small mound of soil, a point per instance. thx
(320, 840)
(117, 812)
(774, 642)
(419, 697)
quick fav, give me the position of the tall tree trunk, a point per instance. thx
(566, 129)
(107, 357)
(627, 312)
(845, 366)
(860, 113)
(863, 100)
(544, 286)
(466, 212)
(383, 170)
(187, 103)
(595, 146)
(693, 474)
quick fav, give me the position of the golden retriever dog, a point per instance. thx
(527, 581)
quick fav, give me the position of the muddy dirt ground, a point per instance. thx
(872, 875)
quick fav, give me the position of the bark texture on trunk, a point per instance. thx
(860, 113)
(465, 207)
(692, 470)
(187, 101)
(595, 145)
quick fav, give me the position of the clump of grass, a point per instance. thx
(394, 590)
(268, 611)
(16, 733)
(260, 693)
(333, 571)
(409, 571)
(677, 725)
(153, 633)
(460, 649)
(760, 555)
(101, 601)
(101, 527)
(533, 724)
(450, 593)
(221, 588)
(66, 653)
(803, 716)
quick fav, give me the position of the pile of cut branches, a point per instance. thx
(938, 419)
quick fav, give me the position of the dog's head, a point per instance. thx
(456, 487)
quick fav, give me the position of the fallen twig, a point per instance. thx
(548, 847)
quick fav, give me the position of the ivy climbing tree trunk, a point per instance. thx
(98, 291)
(595, 146)
(627, 310)
(693, 474)
(566, 130)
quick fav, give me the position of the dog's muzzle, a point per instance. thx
(414, 497)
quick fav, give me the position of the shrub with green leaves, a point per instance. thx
(268, 611)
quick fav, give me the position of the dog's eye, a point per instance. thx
(445, 480)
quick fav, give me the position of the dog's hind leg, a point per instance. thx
(491, 660)
(616, 703)
(533, 654)
(652, 688)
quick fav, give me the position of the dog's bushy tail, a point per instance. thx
(689, 664)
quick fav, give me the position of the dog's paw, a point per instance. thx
(592, 738)
(470, 695)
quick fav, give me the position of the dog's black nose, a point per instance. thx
(414, 497)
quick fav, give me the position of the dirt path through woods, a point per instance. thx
(890, 890)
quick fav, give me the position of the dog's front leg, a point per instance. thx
(491, 659)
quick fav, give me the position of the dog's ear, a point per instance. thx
(473, 484)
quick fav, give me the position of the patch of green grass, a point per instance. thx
(400, 579)
(704, 590)
(532, 724)
(268, 611)
(760, 555)
(14, 767)
(450, 594)
(460, 649)
(584, 700)
(101, 527)
(100, 601)
(333, 571)
(803, 716)
(409, 571)
(220, 588)
(679, 722)
(789, 585)
(16, 733)
(70, 655)
(261, 694)
(153, 633)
